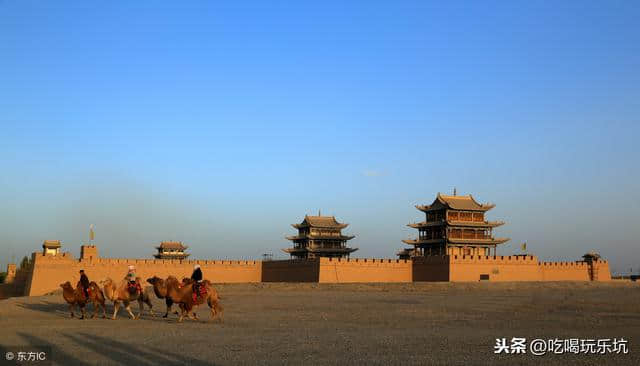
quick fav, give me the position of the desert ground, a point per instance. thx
(414, 323)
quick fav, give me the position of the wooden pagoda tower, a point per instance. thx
(171, 250)
(319, 236)
(454, 225)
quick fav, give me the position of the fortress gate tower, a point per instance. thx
(454, 225)
(319, 236)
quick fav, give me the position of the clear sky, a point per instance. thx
(220, 123)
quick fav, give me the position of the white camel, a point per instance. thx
(121, 293)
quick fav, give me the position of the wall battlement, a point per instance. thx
(501, 259)
(67, 257)
(564, 264)
(39, 257)
(363, 261)
(176, 262)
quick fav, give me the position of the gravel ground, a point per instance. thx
(417, 323)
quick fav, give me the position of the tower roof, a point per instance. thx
(51, 244)
(320, 221)
(467, 203)
(171, 245)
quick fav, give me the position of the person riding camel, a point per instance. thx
(131, 277)
(196, 276)
(84, 282)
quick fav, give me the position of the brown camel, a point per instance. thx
(120, 293)
(183, 294)
(160, 289)
(187, 281)
(212, 298)
(73, 297)
(96, 297)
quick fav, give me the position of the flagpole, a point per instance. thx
(91, 234)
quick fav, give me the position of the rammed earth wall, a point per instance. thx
(48, 272)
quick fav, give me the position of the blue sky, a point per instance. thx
(221, 123)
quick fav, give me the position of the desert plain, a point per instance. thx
(329, 324)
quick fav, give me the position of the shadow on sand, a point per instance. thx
(58, 309)
(61, 310)
(58, 356)
(125, 353)
(114, 351)
(49, 307)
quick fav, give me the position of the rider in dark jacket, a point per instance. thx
(84, 282)
(196, 276)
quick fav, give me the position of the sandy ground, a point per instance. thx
(422, 323)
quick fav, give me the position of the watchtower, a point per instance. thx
(51, 247)
(88, 252)
(11, 273)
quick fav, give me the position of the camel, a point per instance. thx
(160, 289)
(121, 293)
(96, 297)
(183, 294)
(73, 297)
(187, 281)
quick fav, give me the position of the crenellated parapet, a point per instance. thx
(500, 259)
(363, 261)
(564, 264)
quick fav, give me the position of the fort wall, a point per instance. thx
(15, 282)
(564, 271)
(464, 268)
(602, 272)
(50, 271)
(296, 270)
(11, 273)
(431, 269)
(524, 268)
(336, 270)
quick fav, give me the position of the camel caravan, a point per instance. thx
(188, 294)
